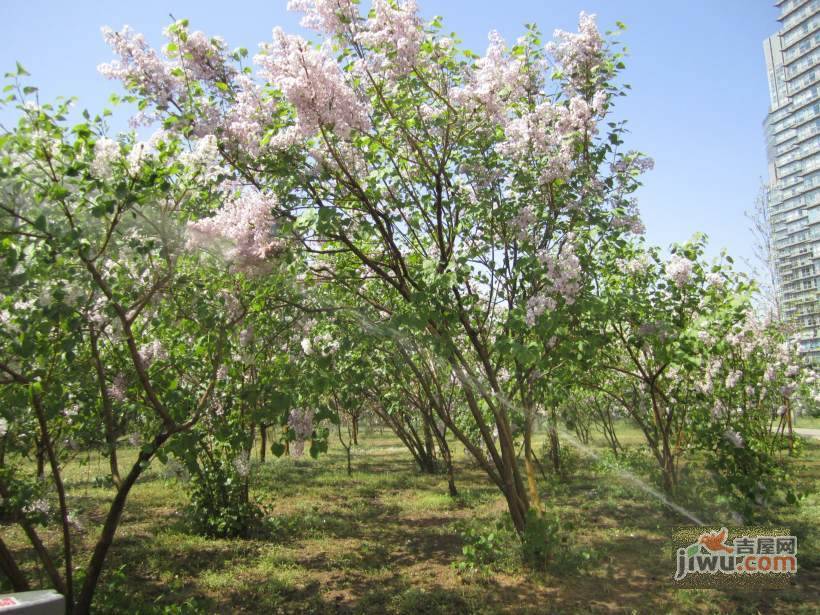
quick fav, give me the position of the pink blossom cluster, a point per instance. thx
(246, 336)
(536, 306)
(550, 130)
(634, 266)
(733, 378)
(300, 421)
(536, 134)
(715, 280)
(313, 83)
(395, 34)
(245, 221)
(151, 352)
(577, 52)
(118, 388)
(245, 122)
(139, 66)
(202, 58)
(497, 77)
(106, 154)
(564, 271)
(577, 116)
(633, 162)
(242, 464)
(563, 277)
(522, 222)
(204, 158)
(734, 438)
(679, 270)
(333, 17)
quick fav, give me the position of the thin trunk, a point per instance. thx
(107, 411)
(447, 456)
(39, 547)
(790, 425)
(58, 484)
(263, 429)
(9, 567)
(529, 463)
(40, 459)
(345, 446)
(555, 448)
(112, 520)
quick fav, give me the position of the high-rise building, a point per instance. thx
(793, 143)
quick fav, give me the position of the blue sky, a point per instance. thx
(696, 68)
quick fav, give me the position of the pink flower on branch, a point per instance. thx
(245, 223)
(139, 66)
(326, 16)
(395, 34)
(314, 84)
(576, 53)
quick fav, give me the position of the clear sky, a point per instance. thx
(696, 68)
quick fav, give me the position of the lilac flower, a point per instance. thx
(734, 437)
(242, 464)
(536, 306)
(396, 34)
(679, 269)
(139, 66)
(245, 221)
(715, 280)
(576, 53)
(119, 387)
(151, 351)
(313, 83)
(325, 16)
(106, 153)
(733, 378)
(496, 78)
(203, 58)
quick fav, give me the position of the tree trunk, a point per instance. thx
(40, 459)
(107, 411)
(61, 497)
(529, 463)
(263, 449)
(354, 420)
(555, 448)
(112, 520)
(11, 570)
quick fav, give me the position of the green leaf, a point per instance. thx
(692, 550)
(277, 448)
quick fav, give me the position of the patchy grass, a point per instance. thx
(385, 539)
(807, 422)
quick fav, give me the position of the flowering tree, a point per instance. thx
(470, 192)
(682, 351)
(103, 318)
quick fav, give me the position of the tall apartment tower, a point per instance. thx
(793, 144)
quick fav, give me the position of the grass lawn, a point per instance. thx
(808, 422)
(386, 539)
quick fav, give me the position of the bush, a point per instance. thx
(485, 548)
(220, 506)
(547, 544)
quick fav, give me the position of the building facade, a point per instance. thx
(792, 130)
